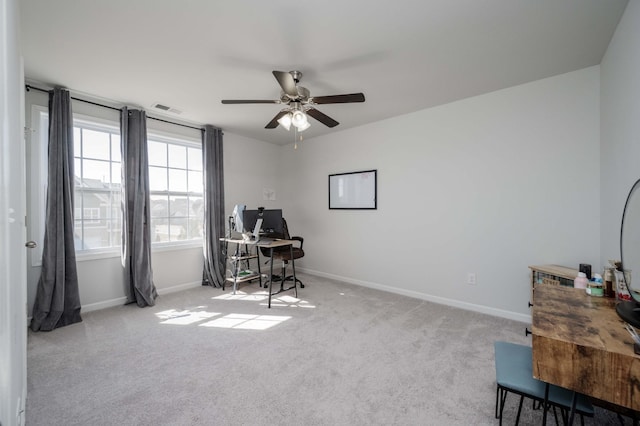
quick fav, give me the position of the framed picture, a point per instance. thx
(354, 190)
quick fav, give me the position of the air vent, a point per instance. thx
(166, 108)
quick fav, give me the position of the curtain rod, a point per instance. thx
(29, 87)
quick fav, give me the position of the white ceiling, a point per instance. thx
(404, 55)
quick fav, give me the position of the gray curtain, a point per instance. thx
(214, 261)
(58, 298)
(136, 235)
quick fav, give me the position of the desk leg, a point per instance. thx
(270, 276)
(259, 272)
(236, 269)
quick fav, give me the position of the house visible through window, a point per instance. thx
(98, 219)
(175, 180)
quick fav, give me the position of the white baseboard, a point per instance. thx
(179, 287)
(423, 296)
(119, 301)
(103, 304)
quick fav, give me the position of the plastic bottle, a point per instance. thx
(595, 286)
(581, 280)
(609, 290)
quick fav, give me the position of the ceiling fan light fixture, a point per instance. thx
(305, 126)
(285, 121)
(299, 119)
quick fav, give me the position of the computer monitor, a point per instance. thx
(271, 220)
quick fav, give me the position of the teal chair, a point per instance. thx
(514, 373)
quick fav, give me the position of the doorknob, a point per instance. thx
(30, 244)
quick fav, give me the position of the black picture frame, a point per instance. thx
(354, 190)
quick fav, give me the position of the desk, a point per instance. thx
(580, 343)
(268, 245)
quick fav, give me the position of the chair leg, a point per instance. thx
(565, 417)
(497, 397)
(555, 414)
(545, 405)
(503, 399)
(290, 278)
(519, 410)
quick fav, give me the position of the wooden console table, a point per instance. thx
(580, 343)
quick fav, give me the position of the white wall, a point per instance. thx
(13, 330)
(620, 126)
(249, 166)
(487, 185)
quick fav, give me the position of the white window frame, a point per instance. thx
(88, 212)
(100, 125)
(162, 136)
(39, 170)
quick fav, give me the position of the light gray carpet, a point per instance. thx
(339, 355)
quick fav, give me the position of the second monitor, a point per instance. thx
(271, 220)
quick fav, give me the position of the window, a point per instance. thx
(98, 218)
(175, 180)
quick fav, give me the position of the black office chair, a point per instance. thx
(284, 254)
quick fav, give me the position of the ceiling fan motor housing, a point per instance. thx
(297, 76)
(303, 96)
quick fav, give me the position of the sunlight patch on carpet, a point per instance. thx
(185, 317)
(246, 321)
(262, 296)
(240, 295)
(289, 302)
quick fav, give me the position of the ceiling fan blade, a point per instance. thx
(323, 118)
(339, 99)
(249, 101)
(286, 81)
(274, 123)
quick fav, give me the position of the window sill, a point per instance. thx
(85, 255)
(182, 245)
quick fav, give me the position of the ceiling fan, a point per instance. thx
(299, 103)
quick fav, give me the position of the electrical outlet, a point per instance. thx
(471, 278)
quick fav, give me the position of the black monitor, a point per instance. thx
(271, 220)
